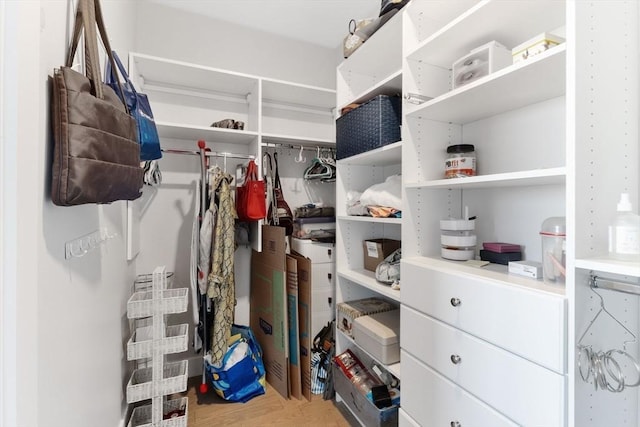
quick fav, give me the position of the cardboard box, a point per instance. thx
(268, 300)
(295, 382)
(304, 321)
(376, 250)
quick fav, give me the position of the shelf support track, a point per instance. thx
(614, 285)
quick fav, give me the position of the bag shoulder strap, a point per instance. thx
(88, 16)
(276, 183)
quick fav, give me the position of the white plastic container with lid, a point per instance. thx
(624, 233)
(553, 249)
(379, 335)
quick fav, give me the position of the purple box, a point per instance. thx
(500, 247)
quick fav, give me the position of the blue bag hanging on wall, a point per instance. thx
(140, 109)
(241, 375)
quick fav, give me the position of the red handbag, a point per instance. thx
(250, 197)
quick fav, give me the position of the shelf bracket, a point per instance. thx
(614, 285)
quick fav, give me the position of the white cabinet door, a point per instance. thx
(524, 391)
(528, 323)
(432, 400)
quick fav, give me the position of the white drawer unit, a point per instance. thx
(432, 400)
(526, 322)
(525, 392)
(317, 252)
(404, 420)
(323, 280)
(322, 275)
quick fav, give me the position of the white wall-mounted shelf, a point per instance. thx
(608, 265)
(295, 94)
(551, 176)
(384, 156)
(518, 85)
(367, 279)
(390, 85)
(370, 219)
(152, 70)
(211, 134)
(269, 138)
(509, 23)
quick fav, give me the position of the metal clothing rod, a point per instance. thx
(615, 285)
(209, 154)
(312, 148)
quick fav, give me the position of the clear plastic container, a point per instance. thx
(624, 233)
(553, 235)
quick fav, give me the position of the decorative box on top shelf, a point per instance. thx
(369, 126)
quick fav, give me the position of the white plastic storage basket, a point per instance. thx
(141, 343)
(142, 304)
(145, 281)
(141, 416)
(141, 386)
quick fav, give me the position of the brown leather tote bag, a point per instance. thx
(96, 156)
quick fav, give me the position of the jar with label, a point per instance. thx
(461, 161)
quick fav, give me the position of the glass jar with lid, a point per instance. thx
(461, 161)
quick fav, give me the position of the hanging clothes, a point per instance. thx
(221, 287)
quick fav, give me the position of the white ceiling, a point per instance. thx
(321, 22)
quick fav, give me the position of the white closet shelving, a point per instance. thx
(154, 341)
(187, 98)
(374, 69)
(555, 135)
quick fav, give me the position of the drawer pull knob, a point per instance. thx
(455, 424)
(456, 359)
(455, 302)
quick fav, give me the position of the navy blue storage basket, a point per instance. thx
(372, 125)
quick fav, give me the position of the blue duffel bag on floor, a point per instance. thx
(242, 375)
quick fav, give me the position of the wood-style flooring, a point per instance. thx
(270, 409)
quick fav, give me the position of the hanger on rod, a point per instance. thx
(319, 169)
(604, 366)
(604, 310)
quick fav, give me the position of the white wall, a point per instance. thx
(167, 32)
(70, 317)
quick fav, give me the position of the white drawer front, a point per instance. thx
(323, 276)
(404, 420)
(315, 251)
(525, 392)
(432, 400)
(528, 323)
(323, 299)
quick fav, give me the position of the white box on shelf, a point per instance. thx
(537, 45)
(480, 62)
(379, 334)
(531, 269)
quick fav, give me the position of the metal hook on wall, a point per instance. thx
(300, 159)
